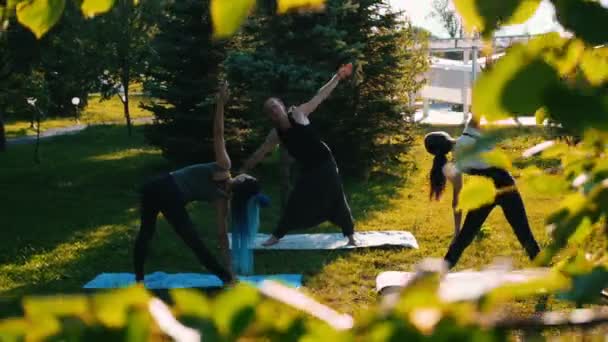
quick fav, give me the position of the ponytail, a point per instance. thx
(439, 144)
(437, 177)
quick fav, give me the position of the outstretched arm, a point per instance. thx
(455, 177)
(474, 123)
(272, 140)
(219, 145)
(325, 91)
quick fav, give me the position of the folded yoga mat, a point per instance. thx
(161, 280)
(466, 285)
(395, 238)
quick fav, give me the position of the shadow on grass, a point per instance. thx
(75, 215)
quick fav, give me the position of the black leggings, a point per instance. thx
(513, 208)
(317, 197)
(162, 195)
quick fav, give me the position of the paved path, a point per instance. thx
(55, 132)
(439, 115)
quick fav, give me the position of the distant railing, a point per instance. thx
(459, 44)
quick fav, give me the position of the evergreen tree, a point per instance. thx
(184, 70)
(292, 56)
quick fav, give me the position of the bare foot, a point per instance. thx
(271, 241)
(352, 241)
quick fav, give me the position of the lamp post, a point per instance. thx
(76, 102)
(32, 102)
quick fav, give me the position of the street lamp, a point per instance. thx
(76, 102)
(32, 102)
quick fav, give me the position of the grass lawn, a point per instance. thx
(97, 112)
(75, 216)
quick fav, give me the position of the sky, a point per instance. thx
(541, 22)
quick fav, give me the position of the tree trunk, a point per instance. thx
(125, 104)
(2, 134)
(125, 65)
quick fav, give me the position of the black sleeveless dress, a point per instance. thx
(318, 195)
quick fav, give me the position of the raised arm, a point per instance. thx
(474, 123)
(455, 177)
(219, 145)
(325, 91)
(272, 140)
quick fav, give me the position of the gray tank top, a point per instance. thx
(196, 182)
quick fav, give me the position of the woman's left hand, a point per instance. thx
(345, 71)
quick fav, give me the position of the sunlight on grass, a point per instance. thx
(347, 283)
(97, 112)
(104, 167)
(124, 154)
(44, 267)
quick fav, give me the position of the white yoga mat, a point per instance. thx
(161, 280)
(466, 285)
(369, 239)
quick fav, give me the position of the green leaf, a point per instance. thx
(583, 231)
(39, 16)
(482, 145)
(586, 19)
(486, 16)
(577, 264)
(553, 281)
(561, 53)
(514, 86)
(587, 288)
(572, 211)
(566, 105)
(497, 158)
(91, 8)
(111, 308)
(519, 82)
(557, 150)
(233, 310)
(319, 331)
(44, 327)
(421, 292)
(56, 306)
(600, 170)
(541, 115)
(138, 326)
(13, 329)
(551, 185)
(191, 302)
(228, 16)
(476, 192)
(287, 5)
(595, 65)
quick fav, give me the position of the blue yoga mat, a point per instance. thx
(161, 280)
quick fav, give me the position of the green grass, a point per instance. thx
(75, 216)
(97, 112)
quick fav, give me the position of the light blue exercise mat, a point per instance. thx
(161, 280)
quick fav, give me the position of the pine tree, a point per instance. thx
(183, 75)
(292, 56)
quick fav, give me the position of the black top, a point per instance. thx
(304, 144)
